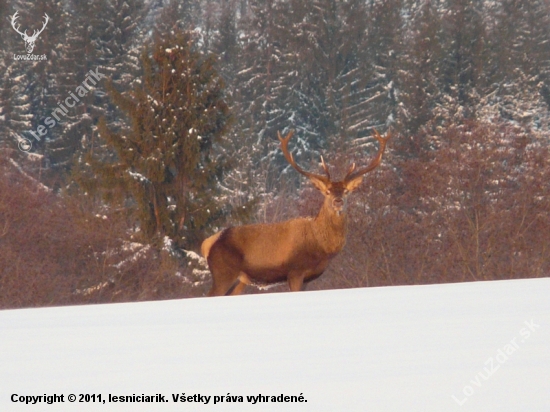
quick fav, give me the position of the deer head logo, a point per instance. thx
(29, 40)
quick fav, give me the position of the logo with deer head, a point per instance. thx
(29, 40)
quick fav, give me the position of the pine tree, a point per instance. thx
(464, 41)
(28, 87)
(419, 80)
(178, 14)
(225, 43)
(107, 33)
(519, 67)
(257, 73)
(169, 162)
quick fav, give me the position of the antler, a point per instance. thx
(353, 174)
(290, 159)
(13, 19)
(37, 32)
(24, 34)
(325, 168)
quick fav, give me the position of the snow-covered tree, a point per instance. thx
(108, 34)
(519, 67)
(464, 41)
(28, 87)
(166, 162)
(419, 75)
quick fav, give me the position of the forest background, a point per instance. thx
(179, 139)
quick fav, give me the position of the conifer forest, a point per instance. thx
(134, 129)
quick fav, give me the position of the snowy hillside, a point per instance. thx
(457, 347)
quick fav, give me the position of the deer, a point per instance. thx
(295, 251)
(29, 40)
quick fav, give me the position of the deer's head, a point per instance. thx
(29, 40)
(336, 192)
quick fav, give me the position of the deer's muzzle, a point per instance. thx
(338, 204)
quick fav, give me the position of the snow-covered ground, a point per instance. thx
(460, 347)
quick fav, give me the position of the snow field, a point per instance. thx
(481, 346)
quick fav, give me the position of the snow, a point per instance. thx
(139, 177)
(481, 346)
(135, 256)
(39, 185)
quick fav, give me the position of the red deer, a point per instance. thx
(295, 251)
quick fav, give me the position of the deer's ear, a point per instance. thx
(354, 183)
(319, 184)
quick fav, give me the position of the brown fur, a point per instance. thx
(295, 251)
(207, 244)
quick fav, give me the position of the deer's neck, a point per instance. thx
(330, 230)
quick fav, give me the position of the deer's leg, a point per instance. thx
(226, 287)
(295, 281)
(238, 286)
(219, 288)
(225, 269)
(224, 280)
